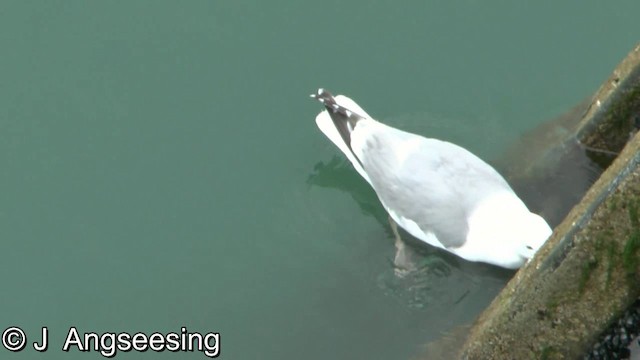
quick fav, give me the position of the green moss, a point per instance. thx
(587, 269)
(622, 110)
(613, 132)
(611, 260)
(633, 214)
(553, 303)
(629, 254)
(606, 254)
(547, 352)
(630, 259)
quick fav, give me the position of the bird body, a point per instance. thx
(437, 191)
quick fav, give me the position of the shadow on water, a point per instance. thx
(339, 174)
(552, 192)
(549, 169)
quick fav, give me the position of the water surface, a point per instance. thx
(161, 166)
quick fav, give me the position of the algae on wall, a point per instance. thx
(588, 272)
(615, 110)
(582, 281)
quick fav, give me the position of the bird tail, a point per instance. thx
(338, 122)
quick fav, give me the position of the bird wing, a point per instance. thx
(433, 183)
(333, 123)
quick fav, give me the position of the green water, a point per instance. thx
(161, 166)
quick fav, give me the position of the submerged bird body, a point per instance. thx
(437, 191)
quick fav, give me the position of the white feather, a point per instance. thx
(501, 230)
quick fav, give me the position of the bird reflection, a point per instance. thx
(339, 174)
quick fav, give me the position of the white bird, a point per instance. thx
(437, 191)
